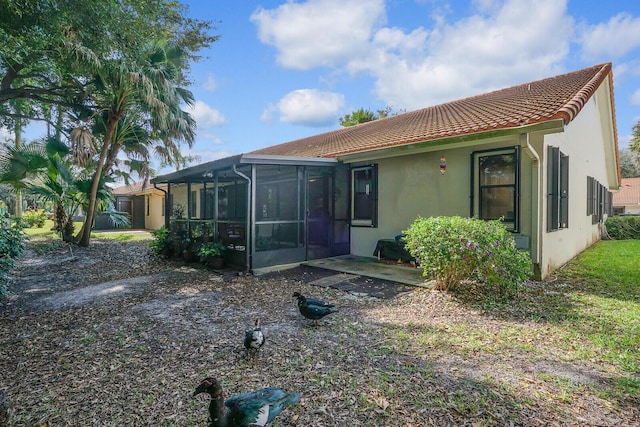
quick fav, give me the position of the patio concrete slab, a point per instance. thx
(370, 267)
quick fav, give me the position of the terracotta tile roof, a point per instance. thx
(561, 97)
(629, 193)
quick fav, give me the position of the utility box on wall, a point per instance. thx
(522, 241)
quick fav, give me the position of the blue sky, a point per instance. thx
(283, 70)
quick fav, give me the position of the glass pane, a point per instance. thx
(232, 201)
(276, 193)
(497, 170)
(497, 202)
(363, 194)
(276, 236)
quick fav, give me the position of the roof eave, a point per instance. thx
(271, 159)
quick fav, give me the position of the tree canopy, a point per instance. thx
(109, 76)
(629, 164)
(362, 115)
(50, 50)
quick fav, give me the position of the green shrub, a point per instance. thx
(12, 243)
(212, 249)
(162, 243)
(34, 218)
(454, 249)
(623, 227)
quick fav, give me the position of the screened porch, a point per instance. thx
(267, 210)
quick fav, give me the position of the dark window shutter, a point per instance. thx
(553, 190)
(564, 191)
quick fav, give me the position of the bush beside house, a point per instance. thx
(452, 250)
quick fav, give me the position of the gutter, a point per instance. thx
(166, 200)
(537, 227)
(248, 233)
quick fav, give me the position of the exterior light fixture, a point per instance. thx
(443, 164)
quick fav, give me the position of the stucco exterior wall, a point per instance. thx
(154, 215)
(412, 185)
(584, 142)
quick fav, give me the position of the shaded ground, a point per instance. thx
(109, 336)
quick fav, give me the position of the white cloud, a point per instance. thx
(470, 56)
(309, 107)
(612, 39)
(503, 43)
(635, 98)
(205, 116)
(211, 84)
(318, 32)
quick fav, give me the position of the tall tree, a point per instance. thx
(89, 56)
(634, 145)
(148, 87)
(50, 49)
(629, 164)
(362, 116)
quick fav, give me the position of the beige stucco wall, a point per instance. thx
(153, 217)
(582, 141)
(412, 186)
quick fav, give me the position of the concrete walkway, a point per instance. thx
(370, 267)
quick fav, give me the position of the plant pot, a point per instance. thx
(215, 262)
(188, 256)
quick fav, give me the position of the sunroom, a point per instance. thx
(267, 210)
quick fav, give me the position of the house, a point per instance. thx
(542, 156)
(627, 199)
(144, 203)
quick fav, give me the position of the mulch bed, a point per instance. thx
(110, 336)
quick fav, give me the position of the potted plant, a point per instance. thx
(188, 251)
(211, 254)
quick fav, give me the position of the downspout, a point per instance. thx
(537, 192)
(248, 234)
(166, 201)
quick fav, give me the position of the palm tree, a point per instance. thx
(148, 90)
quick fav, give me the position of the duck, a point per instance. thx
(312, 311)
(255, 408)
(312, 301)
(253, 339)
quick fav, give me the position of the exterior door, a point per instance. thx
(319, 212)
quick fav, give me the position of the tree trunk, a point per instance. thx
(18, 143)
(84, 237)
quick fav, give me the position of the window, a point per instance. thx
(164, 206)
(496, 195)
(557, 189)
(364, 196)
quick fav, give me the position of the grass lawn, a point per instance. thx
(46, 232)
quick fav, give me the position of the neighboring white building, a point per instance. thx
(627, 199)
(143, 202)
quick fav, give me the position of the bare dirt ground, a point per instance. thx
(110, 336)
